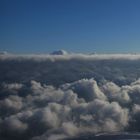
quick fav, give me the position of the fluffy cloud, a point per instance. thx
(47, 112)
(57, 97)
(87, 89)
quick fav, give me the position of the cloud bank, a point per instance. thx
(69, 96)
(60, 69)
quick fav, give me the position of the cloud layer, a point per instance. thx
(51, 100)
(61, 69)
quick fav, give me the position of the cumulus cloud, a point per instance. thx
(13, 125)
(47, 112)
(87, 89)
(57, 99)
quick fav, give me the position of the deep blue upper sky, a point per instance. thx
(37, 26)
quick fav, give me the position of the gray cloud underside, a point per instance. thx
(61, 69)
(56, 97)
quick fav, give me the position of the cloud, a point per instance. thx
(60, 69)
(52, 112)
(67, 56)
(87, 89)
(55, 97)
(13, 87)
(13, 125)
(10, 105)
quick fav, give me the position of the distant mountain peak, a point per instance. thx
(3, 53)
(59, 52)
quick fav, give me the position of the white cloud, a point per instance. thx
(94, 93)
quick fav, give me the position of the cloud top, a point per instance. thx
(63, 55)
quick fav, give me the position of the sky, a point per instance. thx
(40, 26)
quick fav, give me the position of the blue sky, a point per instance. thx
(38, 26)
